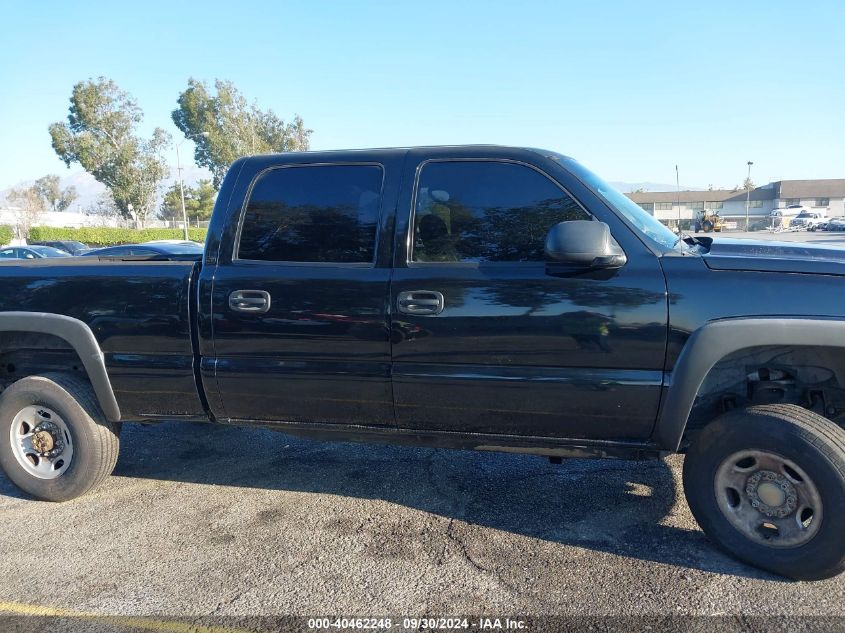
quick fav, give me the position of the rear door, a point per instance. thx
(299, 301)
(486, 337)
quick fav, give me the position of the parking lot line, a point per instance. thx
(143, 623)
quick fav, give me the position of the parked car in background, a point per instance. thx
(807, 220)
(68, 246)
(836, 224)
(782, 218)
(31, 252)
(158, 250)
(760, 225)
(188, 242)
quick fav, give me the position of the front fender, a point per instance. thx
(715, 340)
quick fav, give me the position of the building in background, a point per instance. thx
(827, 196)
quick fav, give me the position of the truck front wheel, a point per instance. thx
(767, 483)
(55, 442)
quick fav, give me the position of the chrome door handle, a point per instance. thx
(256, 301)
(421, 302)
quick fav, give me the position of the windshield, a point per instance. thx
(640, 218)
(48, 251)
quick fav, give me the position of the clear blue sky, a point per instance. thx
(628, 88)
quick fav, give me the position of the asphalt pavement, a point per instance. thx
(203, 520)
(814, 237)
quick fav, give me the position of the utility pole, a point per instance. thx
(748, 193)
(678, 187)
(181, 182)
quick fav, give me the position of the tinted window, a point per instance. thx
(48, 251)
(112, 251)
(486, 211)
(8, 253)
(313, 214)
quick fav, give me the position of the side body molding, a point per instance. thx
(715, 340)
(79, 336)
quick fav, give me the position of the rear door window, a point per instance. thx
(313, 213)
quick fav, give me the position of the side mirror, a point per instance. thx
(584, 244)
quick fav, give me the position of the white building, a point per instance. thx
(827, 196)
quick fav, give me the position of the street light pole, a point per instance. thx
(181, 183)
(182, 191)
(747, 194)
(678, 189)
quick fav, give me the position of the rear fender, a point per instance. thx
(80, 337)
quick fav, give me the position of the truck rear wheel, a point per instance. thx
(55, 442)
(767, 483)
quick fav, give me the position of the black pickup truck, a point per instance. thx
(492, 298)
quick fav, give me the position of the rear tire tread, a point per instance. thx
(102, 436)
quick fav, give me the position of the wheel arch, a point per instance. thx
(80, 338)
(714, 341)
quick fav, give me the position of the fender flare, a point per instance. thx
(715, 340)
(80, 337)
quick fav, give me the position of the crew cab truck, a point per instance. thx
(481, 297)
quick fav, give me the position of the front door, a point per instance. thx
(300, 321)
(487, 339)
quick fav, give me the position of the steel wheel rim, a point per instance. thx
(768, 498)
(36, 432)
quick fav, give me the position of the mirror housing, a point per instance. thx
(584, 244)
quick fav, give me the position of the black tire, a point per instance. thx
(707, 225)
(95, 439)
(813, 443)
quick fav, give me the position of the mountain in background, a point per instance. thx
(628, 187)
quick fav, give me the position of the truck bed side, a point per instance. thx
(139, 313)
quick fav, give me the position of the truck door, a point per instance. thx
(299, 299)
(489, 339)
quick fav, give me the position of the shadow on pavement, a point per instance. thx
(603, 505)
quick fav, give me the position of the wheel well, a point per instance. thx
(29, 353)
(810, 376)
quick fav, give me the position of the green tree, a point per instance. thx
(100, 134)
(171, 204)
(224, 127)
(199, 202)
(50, 190)
(205, 195)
